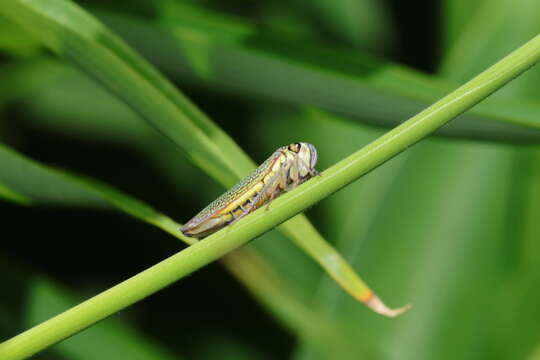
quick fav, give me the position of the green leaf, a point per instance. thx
(429, 236)
(15, 41)
(359, 23)
(234, 57)
(491, 30)
(458, 266)
(456, 14)
(496, 27)
(44, 185)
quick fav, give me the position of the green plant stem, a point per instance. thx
(215, 246)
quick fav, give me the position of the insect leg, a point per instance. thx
(296, 181)
(252, 204)
(281, 182)
(311, 170)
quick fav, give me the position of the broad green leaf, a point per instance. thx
(459, 267)
(207, 49)
(433, 241)
(496, 27)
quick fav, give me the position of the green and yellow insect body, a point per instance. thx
(288, 167)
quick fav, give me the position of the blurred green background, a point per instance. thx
(451, 225)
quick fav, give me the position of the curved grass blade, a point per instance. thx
(290, 204)
(82, 40)
(42, 185)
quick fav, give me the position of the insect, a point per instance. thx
(288, 167)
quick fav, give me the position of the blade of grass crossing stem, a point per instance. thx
(81, 39)
(291, 203)
(40, 184)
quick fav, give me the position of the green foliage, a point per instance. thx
(449, 225)
(84, 41)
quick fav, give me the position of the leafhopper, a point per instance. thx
(288, 167)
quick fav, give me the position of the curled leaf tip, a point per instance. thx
(379, 307)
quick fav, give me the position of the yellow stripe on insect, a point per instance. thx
(288, 167)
